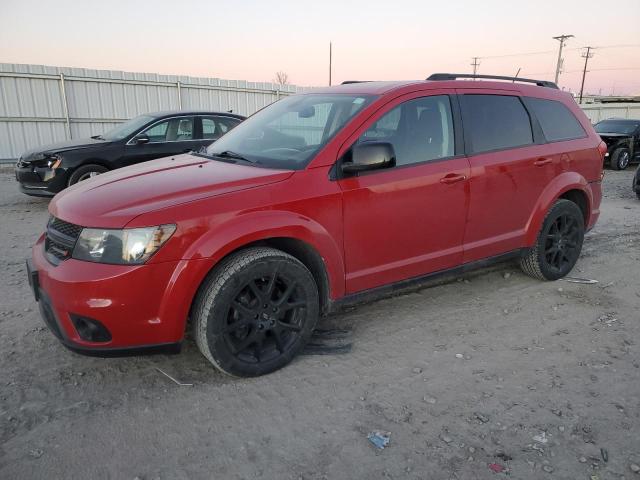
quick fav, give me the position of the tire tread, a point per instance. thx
(214, 282)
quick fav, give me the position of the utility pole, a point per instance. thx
(330, 52)
(475, 64)
(586, 55)
(562, 39)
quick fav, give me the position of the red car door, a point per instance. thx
(510, 167)
(407, 220)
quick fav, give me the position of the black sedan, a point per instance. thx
(47, 170)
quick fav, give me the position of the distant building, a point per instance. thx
(609, 99)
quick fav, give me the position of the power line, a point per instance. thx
(547, 52)
(562, 39)
(628, 45)
(567, 72)
(524, 54)
(586, 55)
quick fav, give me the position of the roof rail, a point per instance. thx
(454, 76)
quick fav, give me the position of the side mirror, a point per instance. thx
(370, 156)
(141, 139)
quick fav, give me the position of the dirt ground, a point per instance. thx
(494, 370)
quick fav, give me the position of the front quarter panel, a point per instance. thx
(306, 207)
(106, 155)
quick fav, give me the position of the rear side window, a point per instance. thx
(495, 122)
(209, 129)
(556, 120)
(214, 127)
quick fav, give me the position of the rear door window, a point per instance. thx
(495, 122)
(556, 120)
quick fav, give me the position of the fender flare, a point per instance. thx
(251, 227)
(554, 190)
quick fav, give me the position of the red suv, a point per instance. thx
(318, 200)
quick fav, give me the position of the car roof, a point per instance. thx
(170, 113)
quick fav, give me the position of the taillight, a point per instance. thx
(602, 148)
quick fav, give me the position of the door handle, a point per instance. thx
(541, 162)
(453, 178)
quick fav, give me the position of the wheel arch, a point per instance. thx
(570, 186)
(580, 198)
(92, 161)
(297, 235)
(303, 251)
(306, 254)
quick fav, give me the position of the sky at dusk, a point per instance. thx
(373, 40)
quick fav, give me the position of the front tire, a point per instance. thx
(620, 159)
(85, 172)
(558, 244)
(255, 312)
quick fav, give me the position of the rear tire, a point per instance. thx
(85, 172)
(255, 312)
(558, 245)
(620, 159)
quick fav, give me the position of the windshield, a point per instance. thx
(288, 133)
(127, 128)
(616, 127)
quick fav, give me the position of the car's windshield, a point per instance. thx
(127, 128)
(609, 126)
(288, 133)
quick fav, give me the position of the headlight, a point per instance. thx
(130, 246)
(54, 161)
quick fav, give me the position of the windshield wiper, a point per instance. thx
(98, 137)
(234, 155)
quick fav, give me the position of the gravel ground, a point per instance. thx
(494, 371)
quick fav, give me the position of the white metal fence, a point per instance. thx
(600, 111)
(41, 104)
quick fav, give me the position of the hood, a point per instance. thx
(615, 135)
(40, 152)
(113, 199)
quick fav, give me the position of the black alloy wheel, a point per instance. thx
(265, 318)
(255, 311)
(562, 243)
(559, 243)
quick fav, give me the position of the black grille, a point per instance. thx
(65, 228)
(61, 238)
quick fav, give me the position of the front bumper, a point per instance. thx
(41, 181)
(143, 307)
